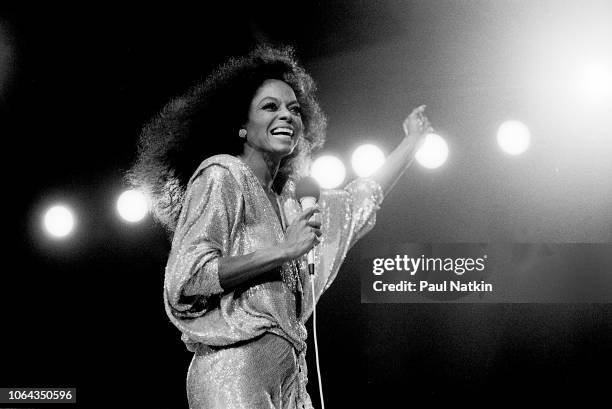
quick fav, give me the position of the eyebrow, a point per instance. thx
(295, 101)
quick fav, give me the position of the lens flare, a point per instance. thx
(132, 206)
(58, 221)
(513, 137)
(329, 171)
(433, 153)
(366, 160)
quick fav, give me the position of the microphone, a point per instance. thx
(307, 192)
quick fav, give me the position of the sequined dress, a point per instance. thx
(249, 344)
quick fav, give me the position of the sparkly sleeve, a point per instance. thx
(366, 196)
(204, 233)
(347, 215)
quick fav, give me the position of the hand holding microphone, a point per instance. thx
(303, 234)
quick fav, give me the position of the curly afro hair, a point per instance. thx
(205, 121)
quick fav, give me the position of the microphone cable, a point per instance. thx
(314, 330)
(307, 192)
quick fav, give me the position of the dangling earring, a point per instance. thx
(242, 133)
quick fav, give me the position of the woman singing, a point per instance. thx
(220, 164)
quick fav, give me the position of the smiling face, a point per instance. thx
(275, 124)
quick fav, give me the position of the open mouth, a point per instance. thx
(282, 131)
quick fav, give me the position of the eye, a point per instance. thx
(296, 110)
(270, 106)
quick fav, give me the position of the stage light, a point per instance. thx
(132, 206)
(433, 153)
(513, 137)
(328, 171)
(366, 159)
(58, 221)
(594, 82)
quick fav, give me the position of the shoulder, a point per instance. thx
(220, 167)
(216, 177)
(224, 160)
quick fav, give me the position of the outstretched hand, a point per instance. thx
(416, 126)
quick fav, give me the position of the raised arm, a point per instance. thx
(415, 127)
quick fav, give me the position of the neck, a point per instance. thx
(263, 165)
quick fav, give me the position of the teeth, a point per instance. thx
(283, 130)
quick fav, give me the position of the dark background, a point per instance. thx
(77, 83)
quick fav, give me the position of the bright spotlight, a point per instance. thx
(328, 171)
(367, 159)
(513, 137)
(132, 206)
(594, 82)
(58, 221)
(433, 153)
